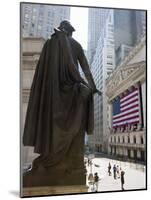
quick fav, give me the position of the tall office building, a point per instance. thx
(129, 28)
(140, 24)
(101, 67)
(39, 20)
(96, 21)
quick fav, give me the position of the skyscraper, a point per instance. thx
(140, 24)
(129, 28)
(96, 21)
(39, 20)
(101, 67)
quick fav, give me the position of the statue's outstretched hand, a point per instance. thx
(99, 92)
(96, 91)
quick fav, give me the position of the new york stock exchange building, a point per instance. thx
(126, 93)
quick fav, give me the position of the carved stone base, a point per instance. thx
(53, 190)
(53, 177)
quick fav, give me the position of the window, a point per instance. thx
(34, 9)
(39, 27)
(109, 63)
(142, 140)
(128, 139)
(109, 56)
(134, 140)
(123, 139)
(26, 15)
(33, 17)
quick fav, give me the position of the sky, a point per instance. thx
(79, 20)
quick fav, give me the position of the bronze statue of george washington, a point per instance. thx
(60, 111)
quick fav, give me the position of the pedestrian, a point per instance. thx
(90, 162)
(114, 171)
(118, 171)
(109, 169)
(85, 161)
(96, 181)
(91, 181)
(122, 179)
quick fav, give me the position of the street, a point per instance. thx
(135, 177)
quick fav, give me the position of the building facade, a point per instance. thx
(96, 22)
(129, 28)
(140, 24)
(39, 20)
(117, 39)
(31, 49)
(127, 129)
(101, 67)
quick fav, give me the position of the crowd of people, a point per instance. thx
(93, 179)
(117, 173)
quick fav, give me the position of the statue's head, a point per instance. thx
(66, 26)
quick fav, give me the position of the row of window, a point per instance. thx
(123, 139)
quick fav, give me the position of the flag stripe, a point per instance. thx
(131, 99)
(127, 122)
(129, 95)
(126, 117)
(126, 109)
(129, 106)
(121, 125)
(134, 95)
(135, 108)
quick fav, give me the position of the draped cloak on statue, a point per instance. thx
(61, 102)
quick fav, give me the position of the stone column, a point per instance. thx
(132, 153)
(125, 153)
(138, 154)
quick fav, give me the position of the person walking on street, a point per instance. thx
(96, 181)
(118, 171)
(122, 179)
(91, 181)
(109, 169)
(114, 171)
(89, 162)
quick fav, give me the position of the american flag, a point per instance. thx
(126, 109)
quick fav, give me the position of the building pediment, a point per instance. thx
(131, 71)
(125, 77)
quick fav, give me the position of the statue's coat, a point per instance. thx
(60, 103)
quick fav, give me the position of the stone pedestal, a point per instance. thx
(53, 177)
(53, 190)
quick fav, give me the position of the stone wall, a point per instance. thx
(30, 52)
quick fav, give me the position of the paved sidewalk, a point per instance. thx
(134, 175)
